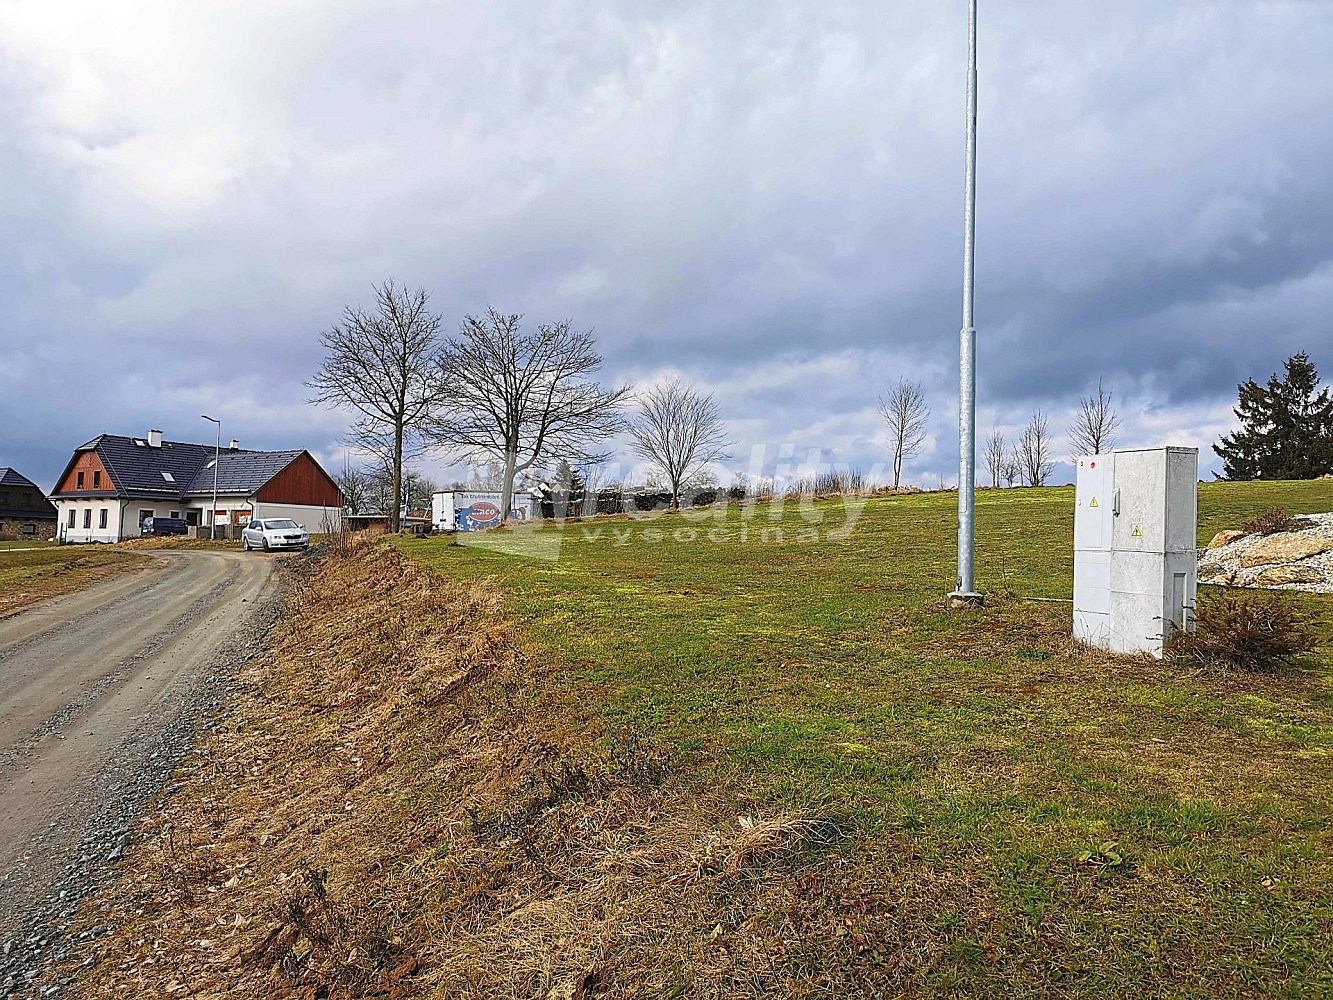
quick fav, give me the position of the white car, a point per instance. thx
(273, 533)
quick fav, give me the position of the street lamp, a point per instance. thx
(217, 457)
(965, 595)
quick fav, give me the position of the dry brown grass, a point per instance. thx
(398, 807)
(177, 542)
(27, 578)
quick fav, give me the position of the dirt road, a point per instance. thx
(93, 688)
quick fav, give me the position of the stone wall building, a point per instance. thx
(24, 510)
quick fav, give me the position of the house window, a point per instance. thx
(71, 517)
(101, 518)
(88, 517)
(25, 500)
(4, 499)
(80, 485)
(97, 479)
(29, 528)
(175, 513)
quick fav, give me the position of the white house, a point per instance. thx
(113, 483)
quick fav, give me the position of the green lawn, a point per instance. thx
(27, 543)
(978, 755)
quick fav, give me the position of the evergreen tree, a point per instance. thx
(1286, 427)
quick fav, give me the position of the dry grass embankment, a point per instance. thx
(397, 807)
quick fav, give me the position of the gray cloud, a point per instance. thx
(766, 196)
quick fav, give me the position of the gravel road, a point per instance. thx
(99, 694)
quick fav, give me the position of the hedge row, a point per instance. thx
(614, 501)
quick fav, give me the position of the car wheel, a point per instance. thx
(266, 548)
(245, 544)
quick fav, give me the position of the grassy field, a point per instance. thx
(30, 543)
(28, 577)
(982, 759)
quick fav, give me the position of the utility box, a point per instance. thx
(1135, 527)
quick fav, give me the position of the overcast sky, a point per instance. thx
(766, 197)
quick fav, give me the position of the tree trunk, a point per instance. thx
(395, 520)
(507, 488)
(897, 467)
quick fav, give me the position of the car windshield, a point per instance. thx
(279, 524)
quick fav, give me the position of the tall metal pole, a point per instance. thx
(966, 594)
(217, 458)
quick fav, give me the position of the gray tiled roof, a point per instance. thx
(137, 470)
(12, 485)
(240, 472)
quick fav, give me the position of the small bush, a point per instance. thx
(1273, 521)
(1252, 632)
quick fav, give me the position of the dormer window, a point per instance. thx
(168, 477)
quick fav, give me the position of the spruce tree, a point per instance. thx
(1286, 427)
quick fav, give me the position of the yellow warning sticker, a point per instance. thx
(1094, 502)
(1136, 532)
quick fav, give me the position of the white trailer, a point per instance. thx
(1135, 526)
(476, 510)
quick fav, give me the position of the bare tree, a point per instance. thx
(522, 397)
(905, 410)
(995, 456)
(1012, 468)
(414, 489)
(381, 366)
(355, 487)
(1093, 428)
(1034, 451)
(680, 432)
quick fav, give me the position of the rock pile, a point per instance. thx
(1289, 560)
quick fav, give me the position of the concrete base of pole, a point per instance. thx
(956, 600)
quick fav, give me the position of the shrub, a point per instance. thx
(1273, 521)
(1254, 632)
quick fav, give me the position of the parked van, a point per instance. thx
(163, 526)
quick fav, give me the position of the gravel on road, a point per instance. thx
(99, 700)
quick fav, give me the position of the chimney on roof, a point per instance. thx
(234, 444)
(155, 439)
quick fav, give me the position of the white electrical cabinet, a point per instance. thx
(1135, 522)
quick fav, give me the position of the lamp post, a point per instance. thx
(965, 595)
(217, 457)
